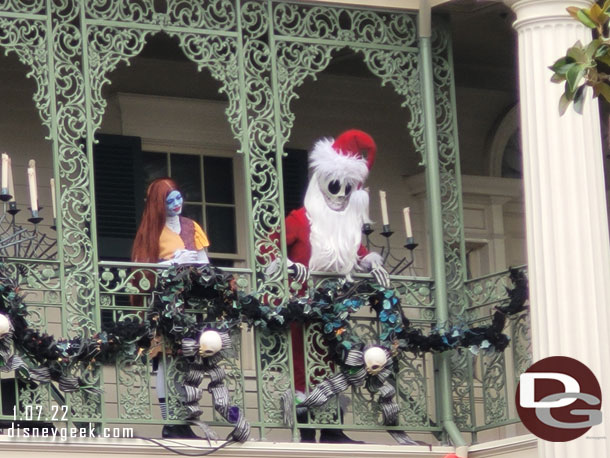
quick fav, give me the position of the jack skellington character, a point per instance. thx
(325, 234)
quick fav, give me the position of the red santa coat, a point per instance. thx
(298, 231)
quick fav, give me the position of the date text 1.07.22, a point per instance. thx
(35, 413)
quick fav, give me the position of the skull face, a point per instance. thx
(210, 343)
(375, 359)
(336, 191)
(5, 325)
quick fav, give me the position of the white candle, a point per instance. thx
(407, 214)
(11, 185)
(4, 171)
(32, 183)
(384, 208)
(53, 197)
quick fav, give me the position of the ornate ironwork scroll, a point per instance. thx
(449, 159)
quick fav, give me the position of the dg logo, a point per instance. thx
(559, 399)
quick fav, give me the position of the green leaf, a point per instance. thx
(562, 65)
(574, 76)
(564, 103)
(584, 17)
(577, 52)
(603, 89)
(592, 48)
(602, 50)
(604, 59)
(606, 6)
(573, 11)
(579, 99)
(557, 78)
(596, 14)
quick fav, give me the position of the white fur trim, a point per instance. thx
(326, 161)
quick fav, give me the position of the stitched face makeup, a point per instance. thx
(173, 203)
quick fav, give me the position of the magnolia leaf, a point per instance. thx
(592, 48)
(604, 58)
(573, 10)
(583, 16)
(577, 52)
(561, 66)
(557, 78)
(579, 99)
(596, 14)
(603, 89)
(564, 103)
(574, 76)
(602, 50)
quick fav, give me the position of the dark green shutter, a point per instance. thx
(119, 194)
(294, 173)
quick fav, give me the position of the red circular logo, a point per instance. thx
(559, 399)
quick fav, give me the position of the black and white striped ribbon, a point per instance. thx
(5, 346)
(325, 390)
(41, 374)
(389, 407)
(287, 403)
(190, 347)
(12, 363)
(68, 383)
(225, 338)
(340, 382)
(241, 432)
(195, 375)
(216, 387)
(220, 398)
(354, 358)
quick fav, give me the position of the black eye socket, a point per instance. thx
(348, 189)
(334, 187)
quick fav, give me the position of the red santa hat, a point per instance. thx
(350, 156)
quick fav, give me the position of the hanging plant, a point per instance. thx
(586, 65)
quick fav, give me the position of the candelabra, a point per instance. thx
(395, 265)
(18, 241)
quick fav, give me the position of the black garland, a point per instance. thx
(212, 293)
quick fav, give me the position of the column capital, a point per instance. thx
(540, 11)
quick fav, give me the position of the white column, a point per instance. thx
(566, 215)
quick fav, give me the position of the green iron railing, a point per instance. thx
(257, 379)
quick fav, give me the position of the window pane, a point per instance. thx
(154, 166)
(186, 173)
(218, 180)
(221, 229)
(193, 212)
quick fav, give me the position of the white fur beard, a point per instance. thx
(335, 236)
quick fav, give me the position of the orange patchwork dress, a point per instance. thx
(191, 237)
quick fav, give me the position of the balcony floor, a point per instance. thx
(517, 447)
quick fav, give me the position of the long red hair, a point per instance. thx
(146, 244)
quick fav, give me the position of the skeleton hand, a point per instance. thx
(381, 275)
(202, 257)
(184, 257)
(373, 262)
(298, 271)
